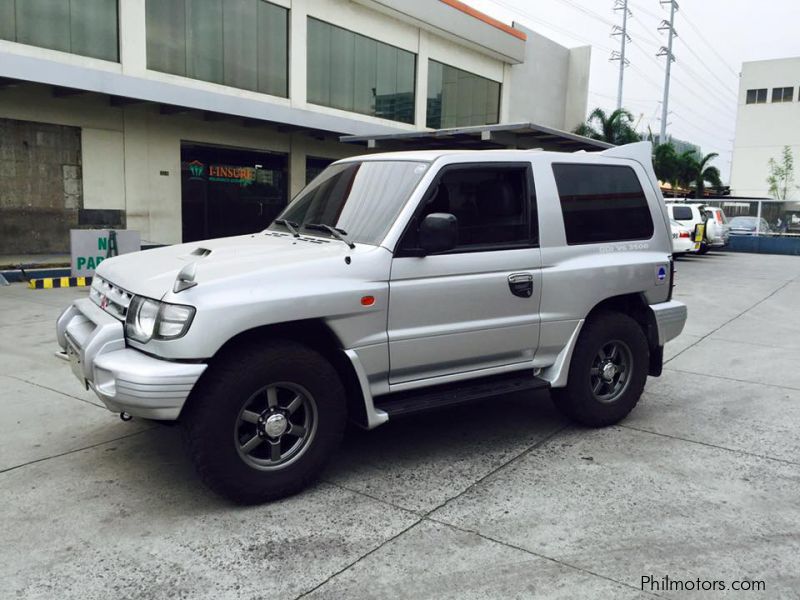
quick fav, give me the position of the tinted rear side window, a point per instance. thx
(602, 203)
(682, 213)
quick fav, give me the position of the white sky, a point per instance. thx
(714, 38)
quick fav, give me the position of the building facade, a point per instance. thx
(768, 119)
(187, 119)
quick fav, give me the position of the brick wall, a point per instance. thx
(40, 186)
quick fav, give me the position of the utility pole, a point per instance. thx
(622, 32)
(667, 52)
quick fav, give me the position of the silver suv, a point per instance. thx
(392, 284)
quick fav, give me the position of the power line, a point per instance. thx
(700, 82)
(536, 19)
(705, 64)
(703, 39)
(640, 9)
(587, 11)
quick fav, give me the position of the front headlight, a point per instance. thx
(150, 319)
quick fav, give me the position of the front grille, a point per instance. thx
(114, 300)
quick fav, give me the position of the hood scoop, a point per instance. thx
(201, 252)
(185, 278)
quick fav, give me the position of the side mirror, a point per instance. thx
(438, 232)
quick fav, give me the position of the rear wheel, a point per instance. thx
(704, 248)
(608, 371)
(262, 422)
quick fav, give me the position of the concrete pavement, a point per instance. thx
(503, 499)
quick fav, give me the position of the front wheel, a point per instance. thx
(263, 421)
(608, 371)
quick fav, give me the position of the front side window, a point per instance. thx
(356, 73)
(360, 199)
(457, 98)
(88, 27)
(493, 204)
(240, 43)
(602, 203)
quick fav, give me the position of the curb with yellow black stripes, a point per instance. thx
(47, 283)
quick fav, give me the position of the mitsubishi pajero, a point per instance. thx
(392, 284)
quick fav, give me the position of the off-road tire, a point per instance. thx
(212, 413)
(577, 400)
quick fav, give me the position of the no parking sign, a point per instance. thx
(90, 247)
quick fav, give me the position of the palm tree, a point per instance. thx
(698, 172)
(615, 128)
(707, 172)
(666, 165)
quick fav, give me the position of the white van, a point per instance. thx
(689, 215)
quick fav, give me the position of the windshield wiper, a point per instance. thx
(339, 234)
(290, 225)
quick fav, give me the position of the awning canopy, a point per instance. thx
(481, 137)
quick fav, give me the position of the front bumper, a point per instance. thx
(670, 319)
(126, 380)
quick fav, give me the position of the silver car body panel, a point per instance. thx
(670, 319)
(434, 319)
(123, 378)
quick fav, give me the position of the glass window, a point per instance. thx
(240, 43)
(782, 94)
(228, 191)
(602, 203)
(356, 73)
(682, 213)
(491, 202)
(362, 199)
(88, 28)
(457, 98)
(757, 96)
(315, 166)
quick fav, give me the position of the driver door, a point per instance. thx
(473, 309)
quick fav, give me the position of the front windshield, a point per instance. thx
(360, 199)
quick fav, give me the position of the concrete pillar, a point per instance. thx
(133, 37)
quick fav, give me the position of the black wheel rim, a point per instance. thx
(610, 372)
(275, 426)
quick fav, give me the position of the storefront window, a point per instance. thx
(240, 43)
(356, 73)
(457, 98)
(88, 27)
(315, 166)
(230, 192)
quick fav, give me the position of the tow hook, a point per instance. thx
(125, 416)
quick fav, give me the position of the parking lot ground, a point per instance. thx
(502, 499)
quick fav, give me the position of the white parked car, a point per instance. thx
(717, 228)
(691, 216)
(682, 242)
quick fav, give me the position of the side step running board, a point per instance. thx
(440, 396)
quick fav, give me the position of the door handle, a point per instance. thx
(521, 284)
